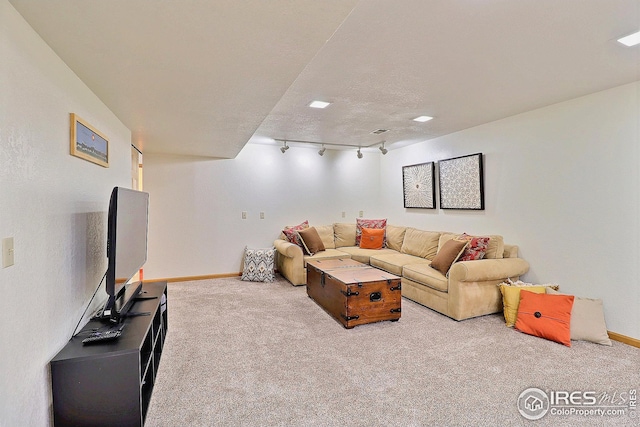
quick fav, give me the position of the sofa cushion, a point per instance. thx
(363, 255)
(326, 254)
(426, 275)
(372, 238)
(368, 223)
(326, 235)
(420, 243)
(448, 254)
(393, 262)
(496, 247)
(311, 241)
(344, 234)
(395, 236)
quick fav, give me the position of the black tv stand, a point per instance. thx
(111, 384)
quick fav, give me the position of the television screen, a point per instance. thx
(126, 239)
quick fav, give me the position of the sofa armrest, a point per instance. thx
(487, 269)
(290, 262)
(288, 249)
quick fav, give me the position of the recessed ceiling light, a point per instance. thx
(319, 104)
(631, 39)
(422, 119)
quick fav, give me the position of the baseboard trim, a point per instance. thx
(624, 339)
(190, 278)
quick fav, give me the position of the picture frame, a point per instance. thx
(419, 186)
(88, 143)
(461, 182)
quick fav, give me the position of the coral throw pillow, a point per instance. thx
(368, 223)
(291, 233)
(476, 249)
(372, 238)
(545, 316)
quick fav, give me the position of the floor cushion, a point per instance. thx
(259, 265)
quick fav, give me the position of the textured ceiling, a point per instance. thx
(206, 77)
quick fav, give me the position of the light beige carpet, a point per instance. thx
(264, 354)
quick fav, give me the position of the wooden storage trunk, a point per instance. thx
(354, 293)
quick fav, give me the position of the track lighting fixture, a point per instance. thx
(284, 147)
(323, 146)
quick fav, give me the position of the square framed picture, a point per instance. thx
(88, 143)
(419, 186)
(461, 182)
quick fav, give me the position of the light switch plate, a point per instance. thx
(7, 252)
(244, 214)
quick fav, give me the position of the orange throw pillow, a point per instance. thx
(545, 316)
(372, 238)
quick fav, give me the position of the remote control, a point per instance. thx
(97, 337)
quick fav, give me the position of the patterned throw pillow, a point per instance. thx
(476, 249)
(291, 233)
(369, 223)
(259, 265)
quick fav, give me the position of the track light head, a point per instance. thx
(322, 150)
(284, 147)
(359, 154)
(383, 150)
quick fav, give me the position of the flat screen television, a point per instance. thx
(127, 229)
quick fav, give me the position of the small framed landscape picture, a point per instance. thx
(461, 183)
(419, 186)
(88, 143)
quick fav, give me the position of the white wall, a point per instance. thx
(54, 205)
(195, 225)
(561, 182)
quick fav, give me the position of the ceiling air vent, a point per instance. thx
(379, 131)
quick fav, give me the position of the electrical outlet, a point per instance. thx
(344, 214)
(361, 214)
(261, 215)
(244, 214)
(7, 252)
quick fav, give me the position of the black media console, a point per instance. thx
(110, 383)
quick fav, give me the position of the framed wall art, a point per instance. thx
(419, 186)
(461, 182)
(88, 143)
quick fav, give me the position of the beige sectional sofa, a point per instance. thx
(468, 290)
